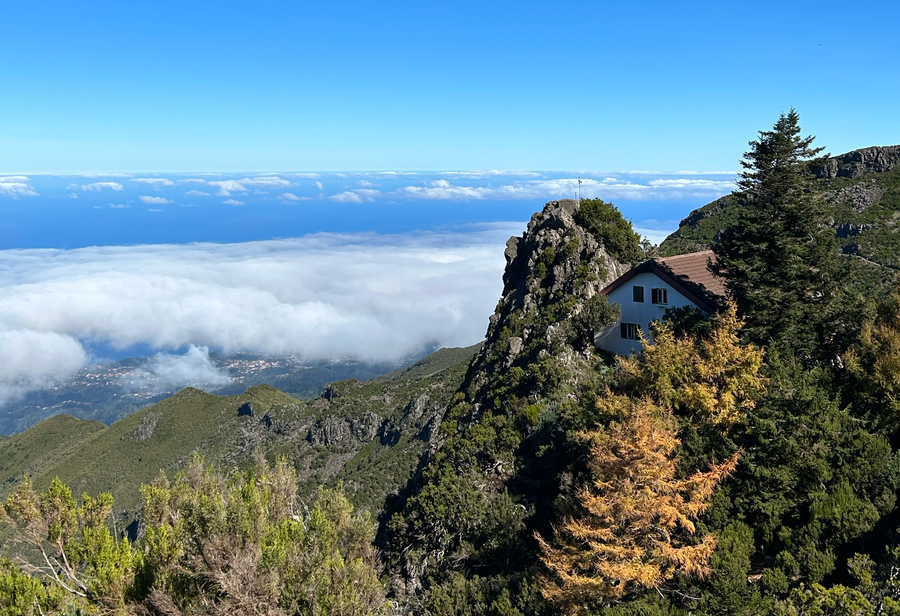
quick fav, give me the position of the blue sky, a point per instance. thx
(301, 86)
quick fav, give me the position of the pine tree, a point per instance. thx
(637, 526)
(780, 260)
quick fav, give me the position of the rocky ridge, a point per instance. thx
(855, 164)
(556, 266)
(861, 189)
(490, 476)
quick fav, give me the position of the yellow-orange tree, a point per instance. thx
(636, 529)
(715, 377)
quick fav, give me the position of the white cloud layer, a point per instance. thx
(166, 372)
(154, 200)
(360, 195)
(36, 359)
(323, 296)
(16, 186)
(196, 193)
(155, 182)
(226, 187)
(606, 188)
(265, 181)
(233, 202)
(101, 185)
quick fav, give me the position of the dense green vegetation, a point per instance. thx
(605, 222)
(779, 258)
(369, 435)
(212, 543)
(746, 463)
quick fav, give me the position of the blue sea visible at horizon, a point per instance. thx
(57, 211)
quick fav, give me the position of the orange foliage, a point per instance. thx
(637, 527)
(715, 376)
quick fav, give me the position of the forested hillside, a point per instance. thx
(368, 435)
(859, 190)
(744, 463)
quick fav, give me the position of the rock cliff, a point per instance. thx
(494, 471)
(855, 164)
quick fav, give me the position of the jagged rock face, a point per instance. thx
(556, 264)
(554, 228)
(340, 432)
(536, 364)
(859, 197)
(859, 162)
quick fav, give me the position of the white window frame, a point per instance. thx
(630, 331)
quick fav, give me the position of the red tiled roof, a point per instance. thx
(693, 267)
(688, 273)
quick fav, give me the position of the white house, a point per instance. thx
(644, 292)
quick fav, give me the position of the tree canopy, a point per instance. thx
(780, 259)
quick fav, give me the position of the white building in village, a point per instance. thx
(644, 292)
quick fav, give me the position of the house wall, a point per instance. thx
(610, 339)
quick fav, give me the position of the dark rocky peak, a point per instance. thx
(544, 262)
(552, 271)
(878, 159)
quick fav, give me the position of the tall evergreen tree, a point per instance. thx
(780, 260)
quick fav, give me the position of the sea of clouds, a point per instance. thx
(369, 187)
(372, 296)
(323, 296)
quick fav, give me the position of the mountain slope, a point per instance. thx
(369, 435)
(461, 537)
(110, 392)
(861, 189)
(34, 451)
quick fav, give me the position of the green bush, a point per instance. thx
(606, 223)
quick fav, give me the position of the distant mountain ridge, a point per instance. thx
(368, 435)
(112, 391)
(861, 189)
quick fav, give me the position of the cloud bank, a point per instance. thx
(102, 185)
(323, 296)
(16, 186)
(168, 372)
(35, 359)
(605, 188)
(154, 200)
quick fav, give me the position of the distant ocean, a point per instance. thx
(71, 211)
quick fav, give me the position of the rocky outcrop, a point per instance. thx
(551, 271)
(859, 197)
(341, 432)
(537, 361)
(857, 163)
(554, 229)
(147, 426)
